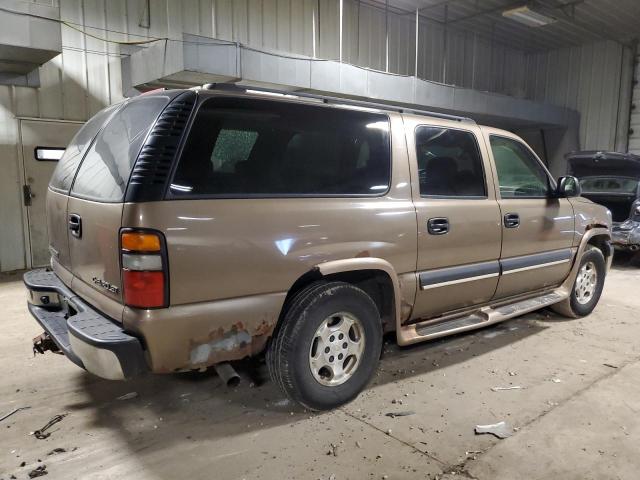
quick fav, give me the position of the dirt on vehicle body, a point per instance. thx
(194, 228)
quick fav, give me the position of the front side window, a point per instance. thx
(449, 163)
(243, 147)
(520, 174)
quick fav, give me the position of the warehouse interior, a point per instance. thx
(564, 76)
(568, 86)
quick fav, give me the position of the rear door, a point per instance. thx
(458, 217)
(60, 184)
(43, 144)
(538, 229)
(94, 210)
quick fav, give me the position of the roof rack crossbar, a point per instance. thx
(232, 87)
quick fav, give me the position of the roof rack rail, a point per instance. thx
(232, 87)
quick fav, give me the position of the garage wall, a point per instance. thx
(586, 79)
(634, 136)
(87, 76)
(288, 25)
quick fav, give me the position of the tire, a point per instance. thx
(581, 304)
(320, 318)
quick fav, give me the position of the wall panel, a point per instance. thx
(586, 79)
(634, 137)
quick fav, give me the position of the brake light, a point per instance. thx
(144, 269)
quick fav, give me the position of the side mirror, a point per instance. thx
(568, 187)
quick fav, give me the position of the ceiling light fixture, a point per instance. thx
(528, 17)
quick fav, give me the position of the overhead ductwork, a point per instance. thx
(29, 37)
(197, 60)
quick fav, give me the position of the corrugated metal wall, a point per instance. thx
(87, 75)
(586, 79)
(634, 137)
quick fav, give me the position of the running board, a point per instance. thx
(419, 332)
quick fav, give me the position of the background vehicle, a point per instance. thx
(193, 228)
(613, 180)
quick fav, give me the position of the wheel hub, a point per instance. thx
(336, 349)
(586, 282)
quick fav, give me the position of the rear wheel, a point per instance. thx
(328, 345)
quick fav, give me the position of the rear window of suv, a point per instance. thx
(105, 170)
(68, 164)
(244, 147)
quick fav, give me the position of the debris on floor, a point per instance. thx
(15, 410)
(500, 429)
(610, 365)
(400, 414)
(556, 380)
(39, 471)
(40, 435)
(500, 389)
(57, 450)
(128, 396)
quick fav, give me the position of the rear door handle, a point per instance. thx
(75, 225)
(438, 225)
(512, 220)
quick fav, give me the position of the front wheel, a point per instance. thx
(328, 345)
(589, 282)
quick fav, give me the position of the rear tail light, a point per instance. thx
(144, 269)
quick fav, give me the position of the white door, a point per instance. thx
(42, 142)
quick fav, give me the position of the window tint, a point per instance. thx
(242, 147)
(105, 171)
(68, 164)
(520, 174)
(449, 163)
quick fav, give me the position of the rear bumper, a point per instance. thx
(626, 234)
(89, 339)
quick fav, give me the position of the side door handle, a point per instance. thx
(512, 220)
(75, 225)
(438, 225)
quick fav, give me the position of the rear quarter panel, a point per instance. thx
(226, 248)
(232, 261)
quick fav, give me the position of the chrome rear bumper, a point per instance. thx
(89, 339)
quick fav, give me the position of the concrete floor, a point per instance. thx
(576, 416)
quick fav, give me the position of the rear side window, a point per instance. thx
(106, 168)
(68, 164)
(449, 163)
(242, 147)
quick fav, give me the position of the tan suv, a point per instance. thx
(192, 228)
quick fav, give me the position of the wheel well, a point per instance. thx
(601, 242)
(376, 283)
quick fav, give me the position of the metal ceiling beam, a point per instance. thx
(575, 23)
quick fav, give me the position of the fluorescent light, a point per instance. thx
(528, 17)
(49, 154)
(384, 126)
(181, 188)
(273, 94)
